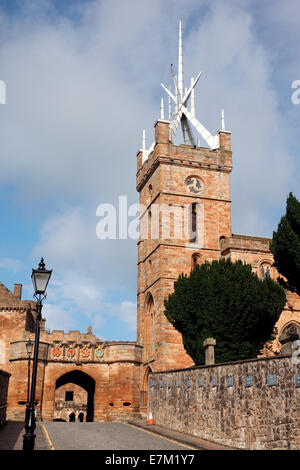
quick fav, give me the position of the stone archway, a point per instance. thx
(144, 394)
(84, 381)
(290, 332)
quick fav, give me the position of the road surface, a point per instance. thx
(104, 436)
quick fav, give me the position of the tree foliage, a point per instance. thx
(228, 302)
(285, 246)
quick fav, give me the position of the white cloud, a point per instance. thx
(57, 317)
(126, 311)
(11, 264)
(87, 273)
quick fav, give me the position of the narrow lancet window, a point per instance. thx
(193, 222)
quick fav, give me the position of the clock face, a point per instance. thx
(194, 185)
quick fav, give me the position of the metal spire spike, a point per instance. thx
(181, 96)
(181, 114)
(222, 120)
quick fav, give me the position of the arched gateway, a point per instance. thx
(77, 371)
(72, 400)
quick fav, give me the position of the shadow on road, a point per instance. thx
(10, 434)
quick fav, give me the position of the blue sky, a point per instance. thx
(83, 80)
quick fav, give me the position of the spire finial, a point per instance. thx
(180, 63)
(184, 113)
(222, 120)
(170, 105)
(162, 109)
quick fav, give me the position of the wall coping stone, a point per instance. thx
(244, 361)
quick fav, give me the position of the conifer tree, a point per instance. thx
(285, 246)
(228, 302)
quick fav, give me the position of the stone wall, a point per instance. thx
(251, 404)
(4, 379)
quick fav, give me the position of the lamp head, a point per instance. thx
(40, 278)
(29, 347)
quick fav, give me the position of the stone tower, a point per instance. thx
(185, 212)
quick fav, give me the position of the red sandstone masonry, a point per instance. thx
(116, 373)
(162, 180)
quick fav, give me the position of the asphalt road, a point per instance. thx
(104, 436)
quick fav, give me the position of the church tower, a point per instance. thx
(185, 212)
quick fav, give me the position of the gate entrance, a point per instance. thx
(77, 394)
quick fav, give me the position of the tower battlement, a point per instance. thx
(165, 152)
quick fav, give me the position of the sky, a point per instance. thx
(82, 82)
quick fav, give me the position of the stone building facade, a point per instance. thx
(178, 180)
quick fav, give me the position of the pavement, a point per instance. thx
(11, 436)
(180, 437)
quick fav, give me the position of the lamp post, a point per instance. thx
(29, 348)
(40, 278)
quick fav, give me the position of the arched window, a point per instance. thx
(292, 330)
(290, 334)
(193, 223)
(265, 270)
(195, 260)
(151, 333)
(144, 392)
(149, 328)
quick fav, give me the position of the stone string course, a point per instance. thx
(261, 416)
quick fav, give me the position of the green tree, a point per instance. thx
(228, 302)
(285, 246)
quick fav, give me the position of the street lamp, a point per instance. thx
(40, 278)
(29, 348)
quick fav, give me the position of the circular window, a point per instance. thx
(193, 184)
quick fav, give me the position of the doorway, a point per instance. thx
(75, 391)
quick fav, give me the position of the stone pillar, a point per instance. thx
(225, 140)
(162, 131)
(209, 346)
